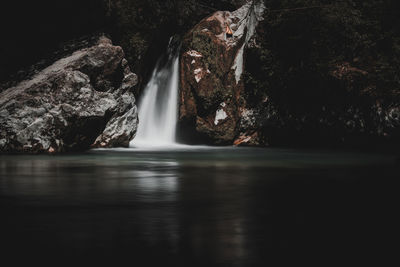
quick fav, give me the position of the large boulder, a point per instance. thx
(212, 63)
(81, 101)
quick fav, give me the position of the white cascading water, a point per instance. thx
(158, 108)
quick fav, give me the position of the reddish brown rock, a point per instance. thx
(248, 139)
(211, 67)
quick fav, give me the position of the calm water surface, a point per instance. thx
(197, 206)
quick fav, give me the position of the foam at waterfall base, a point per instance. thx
(143, 144)
(166, 147)
(151, 146)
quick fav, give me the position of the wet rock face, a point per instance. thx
(80, 101)
(211, 102)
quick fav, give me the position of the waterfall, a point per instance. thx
(158, 107)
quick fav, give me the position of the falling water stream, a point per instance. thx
(158, 105)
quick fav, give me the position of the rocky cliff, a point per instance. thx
(326, 75)
(283, 77)
(81, 101)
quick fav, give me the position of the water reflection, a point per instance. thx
(66, 178)
(212, 207)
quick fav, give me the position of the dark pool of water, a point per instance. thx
(197, 207)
